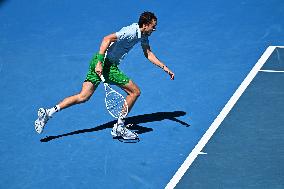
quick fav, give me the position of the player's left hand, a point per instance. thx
(171, 74)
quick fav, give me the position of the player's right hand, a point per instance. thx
(99, 68)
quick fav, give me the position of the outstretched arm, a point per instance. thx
(107, 40)
(152, 58)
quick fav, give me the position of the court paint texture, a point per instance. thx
(45, 50)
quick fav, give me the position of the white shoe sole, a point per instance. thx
(39, 123)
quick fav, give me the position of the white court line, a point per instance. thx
(214, 126)
(272, 71)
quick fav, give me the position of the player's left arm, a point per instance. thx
(152, 58)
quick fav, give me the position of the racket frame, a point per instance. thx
(109, 90)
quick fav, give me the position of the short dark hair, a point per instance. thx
(146, 18)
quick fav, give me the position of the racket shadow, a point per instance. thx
(135, 120)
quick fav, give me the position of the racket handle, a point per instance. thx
(102, 78)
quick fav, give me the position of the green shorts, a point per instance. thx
(111, 73)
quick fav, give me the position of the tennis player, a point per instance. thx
(113, 49)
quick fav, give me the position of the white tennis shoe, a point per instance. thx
(41, 120)
(122, 131)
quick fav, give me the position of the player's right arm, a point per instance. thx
(107, 40)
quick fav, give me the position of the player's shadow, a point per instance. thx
(135, 120)
(2, 2)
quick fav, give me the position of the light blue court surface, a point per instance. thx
(45, 49)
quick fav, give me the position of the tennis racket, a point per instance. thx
(115, 103)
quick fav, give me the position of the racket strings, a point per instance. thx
(116, 104)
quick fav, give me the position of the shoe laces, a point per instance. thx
(126, 132)
(46, 117)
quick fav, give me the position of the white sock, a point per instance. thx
(120, 121)
(51, 111)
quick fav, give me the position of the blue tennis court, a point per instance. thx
(45, 50)
(247, 149)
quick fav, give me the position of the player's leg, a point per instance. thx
(133, 92)
(119, 129)
(115, 76)
(88, 88)
(44, 115)
(87, 91)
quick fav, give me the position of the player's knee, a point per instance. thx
(83, 98)
(137, 92)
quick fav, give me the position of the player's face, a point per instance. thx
(150, 27)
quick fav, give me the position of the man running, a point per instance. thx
(113, 49)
